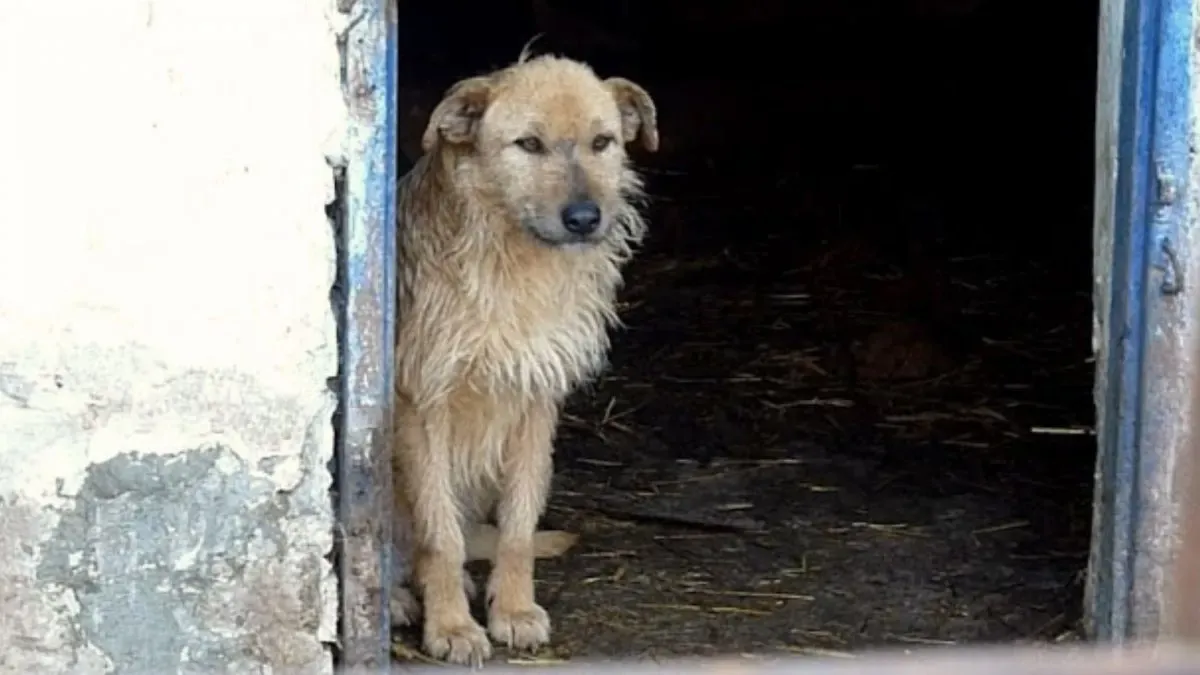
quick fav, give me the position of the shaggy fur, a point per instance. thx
(503, 311)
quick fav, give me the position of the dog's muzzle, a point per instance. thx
(581, 218)
(578, 223)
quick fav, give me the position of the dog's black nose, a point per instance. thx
(581, 217)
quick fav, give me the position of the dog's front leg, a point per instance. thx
(514, 617)
(450, 633)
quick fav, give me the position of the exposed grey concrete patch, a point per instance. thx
(185, 563)
(65, 424)
(278, 610)
(36, 632)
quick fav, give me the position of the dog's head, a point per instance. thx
(545, 140)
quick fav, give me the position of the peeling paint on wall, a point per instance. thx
(166, 338)
(199, 546)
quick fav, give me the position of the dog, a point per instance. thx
(514, 228)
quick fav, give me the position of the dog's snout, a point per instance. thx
(581, 217)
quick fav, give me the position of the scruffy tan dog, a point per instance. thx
(514, 227)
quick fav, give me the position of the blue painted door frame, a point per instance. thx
(1144, 357)
(367, 323)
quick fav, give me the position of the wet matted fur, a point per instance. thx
(514, 227)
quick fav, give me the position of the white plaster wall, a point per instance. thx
(166, 336)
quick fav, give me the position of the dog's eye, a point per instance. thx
(601, 142)
(531, 144)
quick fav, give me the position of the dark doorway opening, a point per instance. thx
(853, 403)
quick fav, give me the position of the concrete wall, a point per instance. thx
(166, 336)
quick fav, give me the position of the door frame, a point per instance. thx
(367, 274)
(1145, 330)
(1145, 333)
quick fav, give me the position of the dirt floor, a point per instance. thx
(861, 430)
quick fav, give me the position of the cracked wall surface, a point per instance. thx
(166, 337)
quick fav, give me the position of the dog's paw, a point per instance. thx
(404, 606)
(519, 628)
(462, 642)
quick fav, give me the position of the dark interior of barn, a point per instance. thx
(852, 403)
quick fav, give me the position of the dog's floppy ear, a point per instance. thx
(638, 115)
(456, 117)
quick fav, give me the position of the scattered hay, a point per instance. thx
(798, 451)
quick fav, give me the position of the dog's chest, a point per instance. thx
(539, 343)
